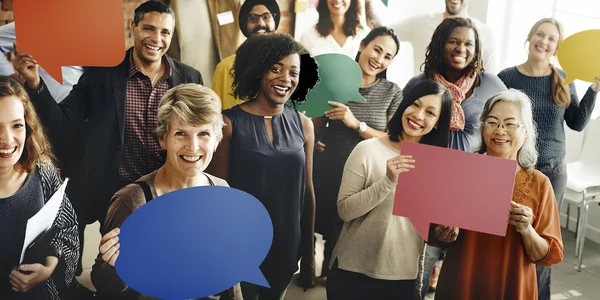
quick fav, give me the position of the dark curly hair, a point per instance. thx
(261, 51)
(434, 57)
(352, 22)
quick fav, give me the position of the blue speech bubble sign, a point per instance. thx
(194, 242)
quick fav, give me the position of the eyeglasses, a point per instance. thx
(253, 18)
(508, 126)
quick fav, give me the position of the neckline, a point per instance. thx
(260, 116)
(527, 76)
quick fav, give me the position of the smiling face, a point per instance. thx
(338, 7)
(152, 36)
(459, 50)
(503, 141)
(421, 117)
(377, 55)
(281, 80)
(260, 20)
(189, 148)
(12, 131)
(544, 42)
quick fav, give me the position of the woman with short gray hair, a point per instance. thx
(533, 235)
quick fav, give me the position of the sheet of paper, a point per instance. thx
(44, 218)
(225, 18)
(455, 188)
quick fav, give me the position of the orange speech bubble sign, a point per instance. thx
(71, 33)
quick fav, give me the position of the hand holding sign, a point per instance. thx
(340, 78)
(69, 33)
(193, 243)
(578, 55)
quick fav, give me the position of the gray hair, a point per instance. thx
(193, 104)
(527, 155)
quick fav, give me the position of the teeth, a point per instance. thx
(373, 65)
(500, 141)
(414, 124)
(153, 47)
(282, 88)
(191, 158)
(8, 151)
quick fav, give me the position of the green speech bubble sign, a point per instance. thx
(578, 55)
(340, 78)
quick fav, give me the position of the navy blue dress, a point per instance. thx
(274, 173)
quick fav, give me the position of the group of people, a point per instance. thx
(148, 126)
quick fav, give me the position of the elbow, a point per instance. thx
(554, 255)
(343, 212)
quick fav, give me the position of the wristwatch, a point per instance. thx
(362, 127)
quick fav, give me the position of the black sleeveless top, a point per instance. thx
(274, 173)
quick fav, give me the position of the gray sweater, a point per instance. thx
(549, 116)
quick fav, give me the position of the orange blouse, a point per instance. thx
(484, 266)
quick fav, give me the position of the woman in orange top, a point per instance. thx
(484, 266)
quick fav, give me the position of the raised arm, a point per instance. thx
(578, 114)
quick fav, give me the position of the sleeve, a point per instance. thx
(578, 114)
(547, 224)
(354, 200)
(104, 276)
(61, 120)
(396, 100)
(66, 239)
(7, 37)
(219, 79)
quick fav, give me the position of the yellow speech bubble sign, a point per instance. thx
(579, 55)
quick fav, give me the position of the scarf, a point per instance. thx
(458, 91)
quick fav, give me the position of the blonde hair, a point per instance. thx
(560, 93)
(37, 146)
(193, 104)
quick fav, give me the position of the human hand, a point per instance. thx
(319, 146)
(342, 112)
(27, 276)
(596, 84)
(27, 67)
(109, 246)
(521, 216)
(397, 165)
(446, 234)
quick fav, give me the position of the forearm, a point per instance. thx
(352, 205)
(536, 247)
(372, 133)
(578, 116)
(308, 222)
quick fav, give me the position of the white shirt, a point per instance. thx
(316, 44)
(418, 31)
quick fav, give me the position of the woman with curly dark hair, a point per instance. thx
(267, 151)
(28, 179)
(338, 30)
(454, 59)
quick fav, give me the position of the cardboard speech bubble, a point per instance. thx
(578, 56)
(194, 242)
(71, 33)
(455, 188)
(339, 80)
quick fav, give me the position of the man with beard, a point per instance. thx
(256, 17)
(418, 31)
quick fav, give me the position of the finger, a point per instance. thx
(113, 258)
(109, 235)
(110, 252)
(30, 267)
(335, 103)
(108, 244)
(18, 278)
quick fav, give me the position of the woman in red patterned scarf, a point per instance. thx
(455, 60)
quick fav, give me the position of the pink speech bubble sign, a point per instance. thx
(455, 188)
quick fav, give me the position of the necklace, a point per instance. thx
(154, 78)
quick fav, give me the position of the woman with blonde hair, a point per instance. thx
(553, 103)
(28, 179)
(189, 131)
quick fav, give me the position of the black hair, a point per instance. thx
(437, 137)
(151, 6)
(434, 56)
(379, 31)
(261, 51)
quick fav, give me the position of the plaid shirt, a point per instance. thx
(141, 150)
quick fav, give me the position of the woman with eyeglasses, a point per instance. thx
(485, 266)
(338, 29)
(554, 104)
(454, 59)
